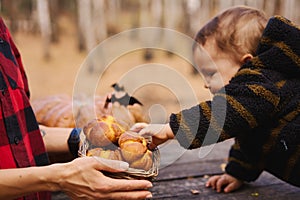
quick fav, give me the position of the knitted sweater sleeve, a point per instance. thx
(248, 101)
(240, 167)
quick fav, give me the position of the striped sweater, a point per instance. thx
(260, 108)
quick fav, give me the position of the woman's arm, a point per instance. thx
(22, 181)
(56, 139)
(81, 177)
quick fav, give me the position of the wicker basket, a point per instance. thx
(131, 173)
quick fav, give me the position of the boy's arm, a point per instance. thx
(248, 102)
(240, 167)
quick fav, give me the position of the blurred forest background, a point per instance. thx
(55, 36)
(95, 20)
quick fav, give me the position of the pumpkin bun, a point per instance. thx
(102, 132)
(107, 154)
(133, 146)
(145, 162)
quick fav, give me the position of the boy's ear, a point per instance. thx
(246, 57)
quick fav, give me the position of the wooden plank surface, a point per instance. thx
(190, 169)
(190, 172)
(178, 180)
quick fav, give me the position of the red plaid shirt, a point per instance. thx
(21, 144)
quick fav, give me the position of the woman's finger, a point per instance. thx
(114, 185)
(128, 195)
(111, 165)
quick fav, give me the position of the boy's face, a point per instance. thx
(217, 68)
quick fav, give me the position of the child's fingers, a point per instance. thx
(151, 129)
(138, 127)
(233, 186)
(230, 187)
(212, 182)
(222, 181)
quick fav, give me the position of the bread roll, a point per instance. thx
(145, 162)
(102, 132)
(133, 146)
(107, 154)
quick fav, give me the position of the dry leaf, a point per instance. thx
(223, 165)
(255, 194)
(195, 191)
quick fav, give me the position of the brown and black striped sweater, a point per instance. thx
(260, 108)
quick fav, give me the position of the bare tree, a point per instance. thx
(224, 4)
(45, 25)
(172, 16)
(113, 8)
(54, 16)
(99, 20)
(193, 12)
(85, 23)
(270, 7)
(13, 11)
(259, 4)
(92, 26)
(144, 13)
(288, 9)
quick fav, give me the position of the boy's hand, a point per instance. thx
(160, 133)
(224, 182)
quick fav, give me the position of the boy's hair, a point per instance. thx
(236, 30)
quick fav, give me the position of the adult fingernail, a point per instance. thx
(124, 165)
(149, 196)
(149, 185)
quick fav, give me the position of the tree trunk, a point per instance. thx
(144, 13)
(156, 12)
(45, 25)
(239, 2)
(269, 7)
(172, 16)
(114, 7)
(289, 11)
(193, 10)
(224, 4)
(85, 24)
(13, 13)
(54, 15)
(99, 20)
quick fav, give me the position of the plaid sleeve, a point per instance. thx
(21, 144)
(21, 67)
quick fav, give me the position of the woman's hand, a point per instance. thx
(160, 133)
(82, 179)
(224, 182)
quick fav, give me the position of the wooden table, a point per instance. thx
(185, 179)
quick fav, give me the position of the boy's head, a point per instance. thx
(226, 42)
